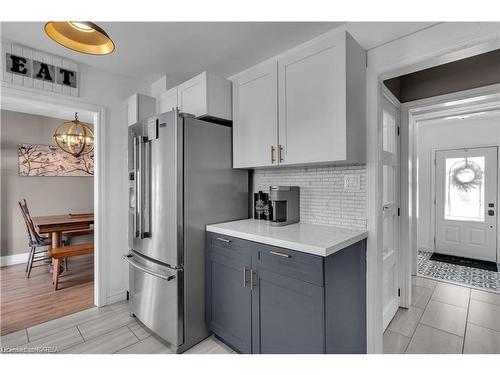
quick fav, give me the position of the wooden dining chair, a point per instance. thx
(37, 243)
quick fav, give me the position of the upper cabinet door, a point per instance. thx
(139, 107)
(205, 96)
(312, 103)
(192, 95)
(255, 117)
(167, 101)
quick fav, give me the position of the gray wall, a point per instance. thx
(45, 195)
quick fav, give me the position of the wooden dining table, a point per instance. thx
(55, 225)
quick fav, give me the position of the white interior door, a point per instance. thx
(466, 202)
(390, 209)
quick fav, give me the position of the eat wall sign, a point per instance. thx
(27, 67)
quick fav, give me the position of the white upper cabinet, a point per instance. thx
(255, 117)
(205, 96)
(321, 107)
(139, 107)
(167, 101)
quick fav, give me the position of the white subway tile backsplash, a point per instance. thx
(324, 198)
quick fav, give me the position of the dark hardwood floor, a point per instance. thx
(27, 302)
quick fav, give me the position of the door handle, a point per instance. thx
(251, 278)
(146, 191)
(273, 154)
(281, 153)
(223, 239)
(244, 277)
(137, 176)
(128, 259)
(279, 254)
(491, 212)
(140, 180)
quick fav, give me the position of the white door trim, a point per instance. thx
(9, 91)
(433, 46)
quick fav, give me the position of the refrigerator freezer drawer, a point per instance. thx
(156, 298)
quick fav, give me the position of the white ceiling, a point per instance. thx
(148, 50)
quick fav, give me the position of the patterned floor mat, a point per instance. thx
(468, 276)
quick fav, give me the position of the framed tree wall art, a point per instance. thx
(51, 161)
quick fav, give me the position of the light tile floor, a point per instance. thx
(104, 330)
(445, 318)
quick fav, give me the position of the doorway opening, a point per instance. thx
(50, 258)
(449, 179)
(439, 108)
(456, 188)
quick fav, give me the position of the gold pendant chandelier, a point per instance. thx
(75, 137)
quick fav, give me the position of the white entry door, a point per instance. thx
(466, 202)
(390, 209)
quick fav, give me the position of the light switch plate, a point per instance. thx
(352, 182)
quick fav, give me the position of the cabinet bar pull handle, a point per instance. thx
(244, 277)
(279, 254)
(273, 154)
(281, 153)
(251, 278)
(223, 239)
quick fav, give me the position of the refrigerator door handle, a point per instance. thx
(136, 187)
(128, 259)
(140, 180)
(146, 190)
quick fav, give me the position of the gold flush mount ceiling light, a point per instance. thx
(85, 37)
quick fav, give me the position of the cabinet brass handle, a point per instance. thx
(281, 153)
(273, 154)
(251, 278)
(279, 254)
(244, 277)
(223, 239)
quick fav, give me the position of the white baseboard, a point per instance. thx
(116, 297)
(9, 260)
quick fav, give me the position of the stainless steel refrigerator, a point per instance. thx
(181, 179)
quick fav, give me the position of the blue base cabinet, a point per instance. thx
(269, 300)
(229, 312)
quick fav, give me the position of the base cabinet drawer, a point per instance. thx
(294, 264)
(290, 303)
(155, 293)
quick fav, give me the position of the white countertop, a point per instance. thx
(307, 238)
